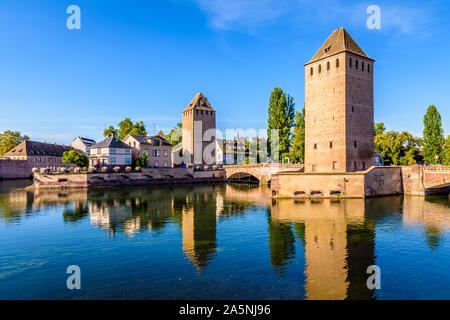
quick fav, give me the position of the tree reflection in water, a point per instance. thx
(338, 236)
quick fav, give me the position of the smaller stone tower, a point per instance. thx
(198, 118)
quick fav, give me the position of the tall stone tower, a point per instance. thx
(339, 107)
(198, 118)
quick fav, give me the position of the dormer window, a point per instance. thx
(326, 50)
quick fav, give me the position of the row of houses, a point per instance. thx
(109, 152)
(113, 152)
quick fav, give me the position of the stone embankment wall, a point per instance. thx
(376, 181)
(22, 169)
(146, 177)
(15, 169)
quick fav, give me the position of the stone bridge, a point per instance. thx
(436, 177)
(261, 172)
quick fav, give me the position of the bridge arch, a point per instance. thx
(243, 177)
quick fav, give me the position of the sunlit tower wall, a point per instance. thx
(339, 107)
(193, 136)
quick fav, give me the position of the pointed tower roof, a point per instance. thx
(339, 41)
(199, 102)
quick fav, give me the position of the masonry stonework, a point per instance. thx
(197, 119)
(339, 107)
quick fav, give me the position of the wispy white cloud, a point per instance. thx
(404, 18)
(229, 14)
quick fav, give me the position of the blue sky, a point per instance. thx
(147, 59)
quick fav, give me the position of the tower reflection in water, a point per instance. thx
(337, 236)
(338, 242)
(138, 210)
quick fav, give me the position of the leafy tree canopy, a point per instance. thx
(298, 141)
(433, 136)
(281, 113)
(396, 148)
(175, 135)
(126, 127)
(10, 139)
(447, 151)
(74, 157)
(111, 131)
(142, 161)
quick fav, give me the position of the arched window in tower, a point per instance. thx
(356, 64)
(311, 71)
(368, 68)
(337, 63)
(320, 68)
(350, 62)
(328, 66)
(362, 66)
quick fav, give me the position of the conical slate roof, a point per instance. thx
(199, 102)
(339, 41)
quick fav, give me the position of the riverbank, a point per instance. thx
(148, 176)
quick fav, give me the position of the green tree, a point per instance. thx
(447, 152)
(174, 136)
(298, 141)
(111, 131)
(74, 157)
(10, 139)
(281, 113)
(397, 148)
(379, 128)
(142, 161)
(126, 127)
(433, 136)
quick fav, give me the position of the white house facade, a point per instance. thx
(110, 152)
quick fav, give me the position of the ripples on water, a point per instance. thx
(219, 242)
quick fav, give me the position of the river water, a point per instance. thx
(219, 242)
